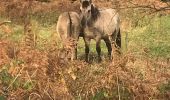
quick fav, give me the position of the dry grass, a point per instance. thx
(27, 72)
(45, 75)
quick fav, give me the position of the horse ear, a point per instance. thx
(92, 8)
(90, 1)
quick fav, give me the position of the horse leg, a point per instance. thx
(87, 43)
(115, 50)
(118, 39)
(113, 37)
(76, 37)
(74, 54)
(98, 49)
(109, 47)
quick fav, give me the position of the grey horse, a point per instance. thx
(100, 24)
(68, 27)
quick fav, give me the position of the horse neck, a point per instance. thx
(94, 17)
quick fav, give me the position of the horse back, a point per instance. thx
(110, 21)
(68, 25)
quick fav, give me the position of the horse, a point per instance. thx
(99, 24)
(68, 27)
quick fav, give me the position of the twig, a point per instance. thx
(146, 7)
(15, 78)
(48, 95)
(126, 41)
(5, 22)
(30, 77)
(45, 90)
(118, 88)
(34, 94)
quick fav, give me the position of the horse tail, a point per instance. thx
(118, 39)
(69, 26)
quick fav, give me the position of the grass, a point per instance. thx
(46, 19)
(150, 36)
(154, 36)
(93, 53)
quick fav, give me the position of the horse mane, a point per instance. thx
(95, 12)
(85, 4)
(69, 28)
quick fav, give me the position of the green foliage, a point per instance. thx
(103, 94)
(46, 19)
(17, 34)
(100, 95)
(2, 98)
(29, 85)
(5, 77)
(153, 35)
(124, 93)
(165, 88)
(93, 53)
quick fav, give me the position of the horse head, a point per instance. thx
(89, 12)
(81, 1)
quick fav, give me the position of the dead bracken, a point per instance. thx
(33, 67)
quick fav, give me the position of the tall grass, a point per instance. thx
(151, 36)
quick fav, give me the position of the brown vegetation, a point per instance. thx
(56, 78)
(45, 74)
